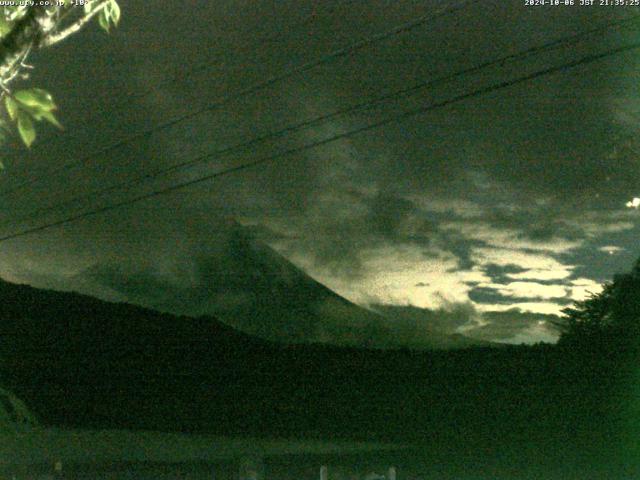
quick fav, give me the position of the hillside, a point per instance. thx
(246, 284)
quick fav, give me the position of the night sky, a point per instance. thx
(497, 211)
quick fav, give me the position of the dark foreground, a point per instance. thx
(513, 412)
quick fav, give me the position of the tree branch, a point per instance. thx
(27, 32)
(54, 38)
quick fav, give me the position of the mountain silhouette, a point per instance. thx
(249, 286)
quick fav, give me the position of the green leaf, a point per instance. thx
(49, 117)
(109, 15)
(103, 19)
(36, 98)
(115, 12)
(25, 128)
(12, 107)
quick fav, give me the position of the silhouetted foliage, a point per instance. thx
(26, 27)
(609, 320)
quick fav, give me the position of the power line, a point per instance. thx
(404, 28)
(197, 69)
(549, 46)
(410, 113)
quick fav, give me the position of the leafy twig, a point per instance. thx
(54, 38)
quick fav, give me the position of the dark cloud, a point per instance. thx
(387, 214)
(499, 274)
(541, 223)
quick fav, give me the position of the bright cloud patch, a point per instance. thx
(582, 288)
(537, 267)
(538, 264)
(510, 238)
(541, 274)
(527, 290)
(403, 275)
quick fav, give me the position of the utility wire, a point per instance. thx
(126, 185)
(196, 70)
(404, 28)
(407, 114)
